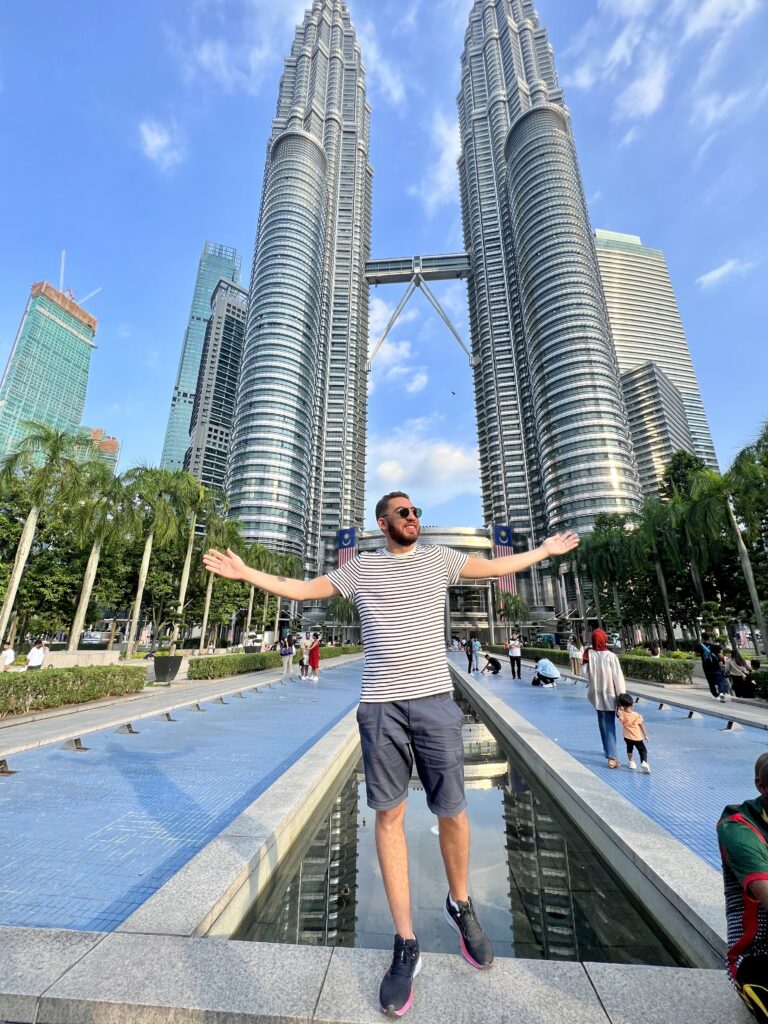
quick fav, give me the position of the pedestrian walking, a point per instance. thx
(605, 686)
(742, 835)
(287, 651)
(575, 654)
(468, 650)
(36, 656)
(9, 656)
(634, 732)
(304, 645)
(515, 656)
(314, 658)
(711, 654)
(407, 714)
(738, 671)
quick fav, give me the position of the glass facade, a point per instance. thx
(216, 262)
(46, 377)
(214, 404)
(296, 470)
(554, 441)
(646, 324)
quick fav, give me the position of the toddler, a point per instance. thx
(634, 733)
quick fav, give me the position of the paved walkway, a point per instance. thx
(85, 838)
(697, 765)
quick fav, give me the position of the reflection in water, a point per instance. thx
(540, 890)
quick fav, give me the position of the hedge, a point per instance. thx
(21, 692)
(222, 665)
(656, 670)
(761, 679)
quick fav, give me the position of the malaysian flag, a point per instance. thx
(502, 546)
(345, 542)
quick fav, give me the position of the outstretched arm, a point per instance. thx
(232, 567)
(491, 568)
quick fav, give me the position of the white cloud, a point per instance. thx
(417, 383)
(713, 107)
(408, 19)
(440, 183)
(629, 136)
(731, 268)
(384, 75)
(433, 470)
(643, 96)
(711, 15)
(161, 143)
(626, 8)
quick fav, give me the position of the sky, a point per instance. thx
(131, 133)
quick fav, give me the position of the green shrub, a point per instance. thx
(657, 670)
(638, 652)
(761, 679)
(21, 692)
(222, 665)
(556, 656)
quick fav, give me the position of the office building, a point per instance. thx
(657, 422)
(646, 324)
(216, 262)
(46, 377)
(296, 471)
(214, 404)
(108, 447)
(553, 435)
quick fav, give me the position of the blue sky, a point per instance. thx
(133, 132)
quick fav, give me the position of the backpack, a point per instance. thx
(707, 657)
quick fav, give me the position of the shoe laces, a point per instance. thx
(468, 916)
(405, 955)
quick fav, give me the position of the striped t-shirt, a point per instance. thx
(401, 602)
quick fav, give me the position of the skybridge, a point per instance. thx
(416, 271)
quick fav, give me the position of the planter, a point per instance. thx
(166, 667)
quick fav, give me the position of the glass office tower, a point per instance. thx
(646, 324)
(554, 441)
(46, 377)
(216, 262)
(297, 457)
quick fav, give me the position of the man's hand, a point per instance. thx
(230, 566)
(560, 544)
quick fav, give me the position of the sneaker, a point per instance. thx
(646, 767)
(396, 991)
(475, 944)
(632, 765)
(722, 698)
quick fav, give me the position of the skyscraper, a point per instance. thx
(214, 404)
(552, 428)
(297, 457)
(646, 324)
(657, 422)
(216, 262)
(46, 377)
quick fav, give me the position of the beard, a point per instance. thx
(401, 535)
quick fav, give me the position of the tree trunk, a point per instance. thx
(85, 596)
(112, 634)
(698, 586)
(206, 610)
(183, 585)
(746, 568)
(12, 628)
(665, 601)
(598, 610)
(264, 612)
(22, 554)
(139, 595)
(251, 592)
(277, 620)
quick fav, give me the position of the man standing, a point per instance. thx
(406, 710)
(304, 645)
(9, 656)
(743, 836)
(515, 652)
(36, 656)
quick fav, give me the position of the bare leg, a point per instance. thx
(393, 861)
(454, 846)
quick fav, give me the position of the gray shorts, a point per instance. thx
(427, 731)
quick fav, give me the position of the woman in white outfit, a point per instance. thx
(287, 652)
(605, 684)
(575, 653)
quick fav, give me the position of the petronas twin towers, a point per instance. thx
(553, 436)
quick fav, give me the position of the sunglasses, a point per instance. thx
(405, 512)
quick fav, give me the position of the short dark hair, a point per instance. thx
(625, 700)
(382, 503)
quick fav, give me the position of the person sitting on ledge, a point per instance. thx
(407, 714)
(743, 836)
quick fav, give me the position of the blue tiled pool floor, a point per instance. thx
(85, 838)
(697, 767)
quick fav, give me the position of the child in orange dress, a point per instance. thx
(634, 733)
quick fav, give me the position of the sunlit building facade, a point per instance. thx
(296, 471)
(554, 440)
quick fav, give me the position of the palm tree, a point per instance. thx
(99, 519)
(653, 538)
(286, 565)
(152, 514)
(512, 607)
(50, 464)
(195, 502)
(342, 611)
(256, 556)
(219, 533)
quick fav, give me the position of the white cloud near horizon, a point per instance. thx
(731, 268)
(161, 143)
(439, 185)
